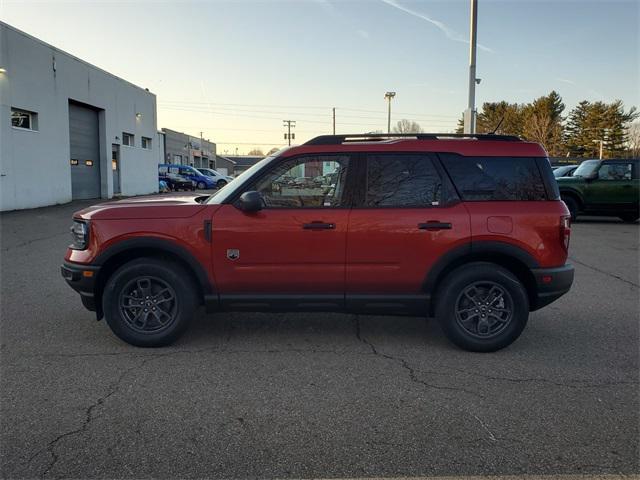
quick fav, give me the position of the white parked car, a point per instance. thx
(220, 180)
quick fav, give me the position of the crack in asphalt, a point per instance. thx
(599, 270)
(410, 370)
(89, 417)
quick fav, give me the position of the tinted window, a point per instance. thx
(308, 182)
(402, 181)
(495, 178)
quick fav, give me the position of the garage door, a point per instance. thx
(85, 152)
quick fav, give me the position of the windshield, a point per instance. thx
(222, 194)
(587, 168)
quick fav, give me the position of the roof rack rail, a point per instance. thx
(364, 137)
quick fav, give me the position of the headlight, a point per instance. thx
(79, 235)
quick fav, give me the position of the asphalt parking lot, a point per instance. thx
(268, 395)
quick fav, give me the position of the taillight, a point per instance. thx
(565, 231)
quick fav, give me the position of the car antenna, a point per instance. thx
(497, 126)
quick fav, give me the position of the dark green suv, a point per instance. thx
(603, 187)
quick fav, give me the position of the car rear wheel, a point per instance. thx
(482, 307)
(572, 205)
(221, 183)
(148, 302)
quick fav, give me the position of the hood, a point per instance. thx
(157, 206)
(570, 180)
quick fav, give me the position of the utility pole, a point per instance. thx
(388, 96)
(288, 136)
(334, 120)
(470, 112)
(202, 152)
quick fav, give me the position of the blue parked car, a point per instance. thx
(199, 180)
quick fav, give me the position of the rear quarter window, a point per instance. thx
(495, 178)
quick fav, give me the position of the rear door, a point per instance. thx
(404, 219)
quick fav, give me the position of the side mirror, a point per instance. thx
(250, 201)
(592, 177)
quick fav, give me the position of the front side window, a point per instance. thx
(402, 181)
(308, 182)
(615, 171)
(495, 178)
(128, 139)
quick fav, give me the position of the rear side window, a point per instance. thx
(495, 178)
(402, 181)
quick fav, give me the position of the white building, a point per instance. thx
(70, 130)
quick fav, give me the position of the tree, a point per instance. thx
(407, 126)
(588, 123)
(633, 140)
(272, 151)
(502, 118)
(256, 152)
(542, 123)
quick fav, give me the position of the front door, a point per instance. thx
(115, 167)
(614, 188)
(291, 253)
(399, 227)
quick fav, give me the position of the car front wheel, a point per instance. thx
(148, 302)
(201, 185)
(221, 183)
(482, 307)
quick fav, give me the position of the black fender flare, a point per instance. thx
(479, 249)
(158, 244)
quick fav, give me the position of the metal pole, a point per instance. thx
(334, 121)
(389, 116)
(601, 144)
(470, 118)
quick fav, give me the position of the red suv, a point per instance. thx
(469, 229)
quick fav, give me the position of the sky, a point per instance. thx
(235, 69)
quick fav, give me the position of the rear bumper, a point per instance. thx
(551, 284)
(82, 278)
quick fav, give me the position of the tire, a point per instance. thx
(201, 186)
(175, 302)
(221, 183)
(630, 217)
(572, 205)
(457, 315)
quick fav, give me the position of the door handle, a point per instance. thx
(434, 225)
(319, 226)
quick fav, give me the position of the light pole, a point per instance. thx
(388, 96)
(470, 112)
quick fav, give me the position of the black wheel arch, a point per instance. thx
(574, 194)
(515, 259)
(126, 250)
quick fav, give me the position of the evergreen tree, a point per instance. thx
(590, 122)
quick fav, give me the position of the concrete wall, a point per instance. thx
(35, 165)
(176, 143)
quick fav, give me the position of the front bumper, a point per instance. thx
(82, 278)
(551, 284)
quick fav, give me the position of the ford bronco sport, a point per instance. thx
(469, 229)
(603, 187)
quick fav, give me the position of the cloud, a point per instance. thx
(566, 80)
(451, 34)
(363, 33)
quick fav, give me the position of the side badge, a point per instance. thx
(233, 253)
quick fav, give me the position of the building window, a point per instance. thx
(146, 143)
(24, 119)
(127, 139)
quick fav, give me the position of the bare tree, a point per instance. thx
(633, 140)
(273, 150)
(407, 126)
(256, 152)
